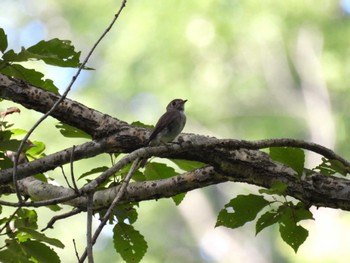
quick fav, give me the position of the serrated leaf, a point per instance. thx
(41, 252)
(3, 40)
(294, 235)
(187, 165)
(41, 237)
(54, 52)
(13, 253)
(71, 132)
(292, 157)
(129, 243)
(278, 188)
(30, 75)
(240, 210)
(267, 219)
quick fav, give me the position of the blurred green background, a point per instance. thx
(249, 69)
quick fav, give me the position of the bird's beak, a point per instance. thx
(184, 101)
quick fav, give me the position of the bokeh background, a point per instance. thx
(249, 69)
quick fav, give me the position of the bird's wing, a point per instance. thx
(162, 123)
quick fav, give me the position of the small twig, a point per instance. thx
(65, 177)
(75, 249)
(89, 245)
(76, 189)
(53, 201)
(119, 195)
(63, 216)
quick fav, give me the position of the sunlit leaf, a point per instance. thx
(188, 165)
(292, 157)
(71, 132)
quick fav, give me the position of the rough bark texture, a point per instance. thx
(227, 160)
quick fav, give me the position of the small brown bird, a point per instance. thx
(169, 125)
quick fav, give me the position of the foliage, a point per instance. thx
(127, 240)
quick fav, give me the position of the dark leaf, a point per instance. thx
(30, 75)
(129, 243)
(3, 40)
(267, 219)
(240, 210)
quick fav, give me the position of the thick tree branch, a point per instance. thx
(227, 159)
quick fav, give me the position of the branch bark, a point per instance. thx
(227, 159)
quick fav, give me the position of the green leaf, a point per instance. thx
(178, 198)
(267, 219)
(126, 212)
(71, 132)
(294, 235)
(331, 167)
(187, 165)
(142, 125)
(54, 52)
(26, 218)
(41, 237)
(292, 157)
(156, 171)
(240, 210)
(94, 171)
(277, 188)
(13, 253)
(36, 150)
(3, 40)
(30, 75)
(129, 243)
(10, 145)
(41, 252)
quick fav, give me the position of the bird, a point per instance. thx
(169, 125)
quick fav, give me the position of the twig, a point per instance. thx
(65, 177)
(119, 195)
(63, 216)
(89, 245)
(286, 142)
(75, 249)
(53, 201)
(76, 189)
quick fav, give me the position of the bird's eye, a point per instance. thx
(173, 103)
